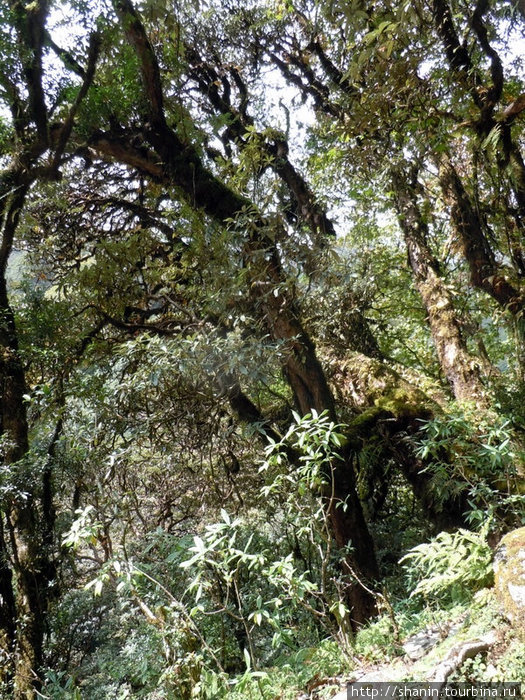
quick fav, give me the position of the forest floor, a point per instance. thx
(471, 644)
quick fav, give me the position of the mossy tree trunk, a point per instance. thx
(461, 369)
(470, 229)
(27, 528)
(389, 411)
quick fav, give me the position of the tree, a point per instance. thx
(27, 531)
(161, 202)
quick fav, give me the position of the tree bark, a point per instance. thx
(14, 429)
(391, 408)
(459, 367)
(26, 568)
(485, 274)
(7, 610)
(25, 585)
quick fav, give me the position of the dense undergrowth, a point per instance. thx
(139, 643)
(253, 604)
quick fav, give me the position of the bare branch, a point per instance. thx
(65, 56)
(30, 24)
(496, 67)
(65, 131)
(149, 67)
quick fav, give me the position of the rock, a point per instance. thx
(509, 578)
(341, 696)
(391, 673)
(379, 675)
(419, 644)
(490, 672)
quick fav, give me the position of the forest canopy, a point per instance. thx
(261, 325)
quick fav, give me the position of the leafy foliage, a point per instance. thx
(485, 455)
(451, 565)
(261, 331)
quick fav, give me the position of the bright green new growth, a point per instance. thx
(450, 566)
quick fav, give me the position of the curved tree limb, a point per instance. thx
(67, 127)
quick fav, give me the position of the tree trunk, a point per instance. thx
(391, 408)
(27, 599)
(7, 611)
(485, 274)
(461, 369)
(27, 552)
